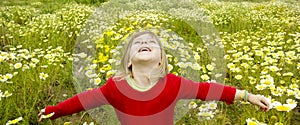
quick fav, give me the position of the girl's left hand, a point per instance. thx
(259, 101)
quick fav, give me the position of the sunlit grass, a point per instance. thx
(261, 41)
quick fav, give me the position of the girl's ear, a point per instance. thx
(129, 65)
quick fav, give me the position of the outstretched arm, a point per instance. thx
(214, 91)
(83, 101)
(67, 107)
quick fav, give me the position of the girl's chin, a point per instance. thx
(144, 59)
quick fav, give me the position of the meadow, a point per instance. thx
(259, 44)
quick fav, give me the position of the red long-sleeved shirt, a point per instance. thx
(155, 106)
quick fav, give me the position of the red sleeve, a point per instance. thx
(207, 91)
(68, 107)
(214, 91)
(83, 101)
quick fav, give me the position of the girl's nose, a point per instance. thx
(144, 42)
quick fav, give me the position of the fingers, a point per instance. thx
(259, 101)
(40, 115)
(265, 102)
(262, 105)
(262, 102)
(40, 119)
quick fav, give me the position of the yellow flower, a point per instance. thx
(204, 77)
(93, 66)
(85, 123)
(237, 69)
(278, 123)
(5, 94)
(102, 58)
(288, 74)
(273, 118)
(238, 77)
(196, 57)
(246, 48)
(110, 73)
(15, 121)
(245, 57)
(208, 115)
(218, 75)
(274, 68)
(281, 53)
(268, 81)
(90, 73)
(290, 53)
(276, 92)
(196, 66)
(297, 95)
(181, 65)
(231, 65)
(8, 76)
(210, 67)
(67, 123)
(245, 65)
(48, 115)
(281, 81)
(294, 86)
(251, 121)
(290, 92)
(260, 87)
(43, 76)
(212, 105)
(1, 58)
(192, 105)
(292, 103)
(18, 65)
(97, 81)
(34, 60)
(3, 78)
(227, 57)
(258, 53)
(109, 33)
(48, 56)
(284, 107)
(252, 81)
(170, 67)
(202, 108)
(135, 23)
(278, 74)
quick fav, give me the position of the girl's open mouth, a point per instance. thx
(144, 49)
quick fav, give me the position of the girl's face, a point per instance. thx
(145, 48)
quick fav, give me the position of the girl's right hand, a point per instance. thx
(42, 112)
(42, 115)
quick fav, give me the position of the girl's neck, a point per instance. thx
(142, 74)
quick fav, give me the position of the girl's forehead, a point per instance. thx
(145, 36)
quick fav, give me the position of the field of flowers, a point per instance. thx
(40, 43)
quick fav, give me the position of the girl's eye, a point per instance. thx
(152, 41)
(137, 42)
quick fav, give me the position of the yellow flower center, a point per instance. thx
(283, 108)
(252, 123)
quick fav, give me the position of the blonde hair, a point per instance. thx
(126, 69)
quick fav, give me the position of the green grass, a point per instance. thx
(53, 27)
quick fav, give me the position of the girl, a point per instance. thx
(143, 92)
